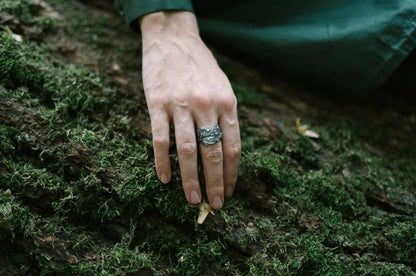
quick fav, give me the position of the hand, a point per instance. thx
(185, 87)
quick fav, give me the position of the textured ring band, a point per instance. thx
(209, 135)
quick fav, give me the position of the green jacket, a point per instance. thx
(351, 46)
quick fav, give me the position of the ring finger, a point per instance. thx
(212, 161)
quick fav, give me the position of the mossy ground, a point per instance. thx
(79, 194)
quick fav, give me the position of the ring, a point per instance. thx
(209, 135)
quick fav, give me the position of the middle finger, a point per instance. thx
(187, 155)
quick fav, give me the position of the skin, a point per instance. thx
(185, 88)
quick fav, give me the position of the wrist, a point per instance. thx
(169, 23)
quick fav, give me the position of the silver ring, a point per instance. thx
(209, 135)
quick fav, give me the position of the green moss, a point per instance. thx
(403, 238)
(34, 182)
(6, 144)
(247, 95)
(60, 87)
(319, 261)
(120, 259)
(15, 219)
(20, 8)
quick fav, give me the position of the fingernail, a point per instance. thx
(195, 197)
(228, 191)
(217, 202)
(164, 178)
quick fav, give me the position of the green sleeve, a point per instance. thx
(133, 9)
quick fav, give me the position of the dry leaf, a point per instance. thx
(8, 192)
(121, 80)
(268, 88)
(204, 210)
(297, 122)
(115, 68)
(303, 129)
(311, 134)
(16, 37)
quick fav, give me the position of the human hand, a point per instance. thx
(185, 87)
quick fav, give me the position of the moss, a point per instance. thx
(34, 182)
(120, 259)
(6, 143)
(20, 8)
(320, 261)
(247, 95)
(385, 268)
(403, 238)
(57, 87)
(16, 220)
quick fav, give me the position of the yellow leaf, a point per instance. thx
(311, 134)
(16, 37)
(8, 192)
(204, 210)
(297, 122)
(303, 129)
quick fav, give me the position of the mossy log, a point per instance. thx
(79, 194)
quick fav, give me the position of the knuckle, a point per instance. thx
(160, 142)
(157, 99)
(180, 99)
(214, 156)
(161, 163)
(217, 185)
(228, 102)
(190, 184)
(163, 102)
(233, 152)
(204, 100)
(187, 149)
(233, 122)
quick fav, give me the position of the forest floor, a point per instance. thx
(79, 194)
